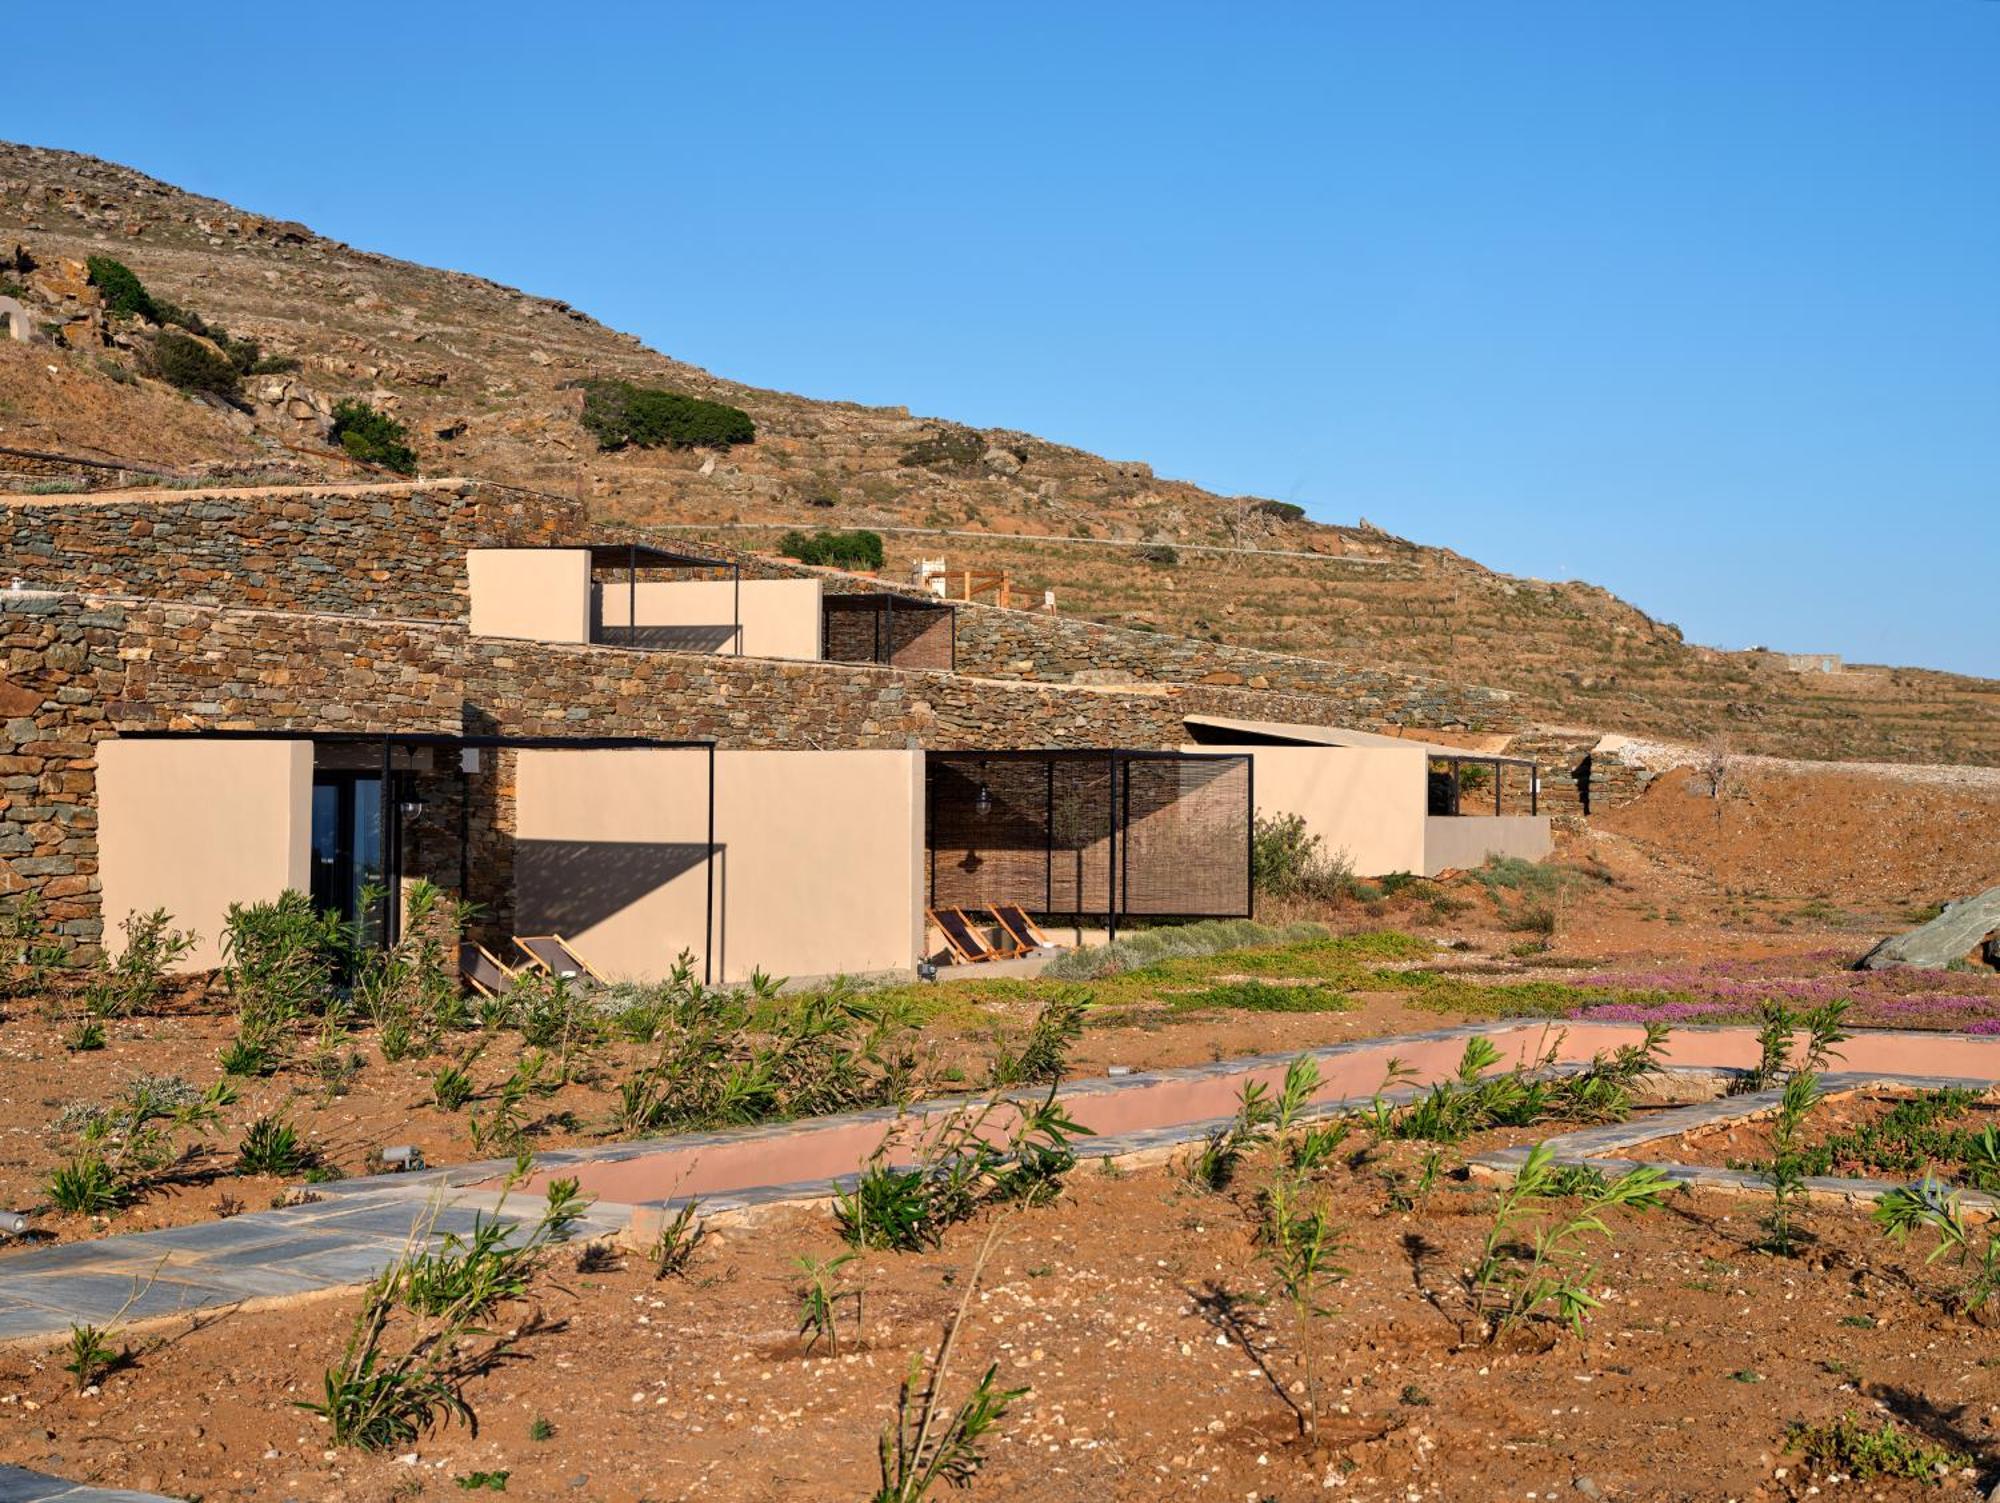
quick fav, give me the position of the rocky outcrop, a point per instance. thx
(1965, 926)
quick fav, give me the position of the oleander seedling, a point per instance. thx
(1513, 1282)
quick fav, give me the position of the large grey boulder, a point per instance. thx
(1952, 935)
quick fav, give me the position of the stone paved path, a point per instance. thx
(21, 1486)
(339, 1241)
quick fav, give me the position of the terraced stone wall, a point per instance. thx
(377, 550)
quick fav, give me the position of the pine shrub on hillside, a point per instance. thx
(124, 294)
(619, 414)
(184, 361)
(373, 437)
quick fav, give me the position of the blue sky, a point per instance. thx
(1695, 299)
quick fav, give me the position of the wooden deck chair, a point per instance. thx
(1007, 945)
(554, 954)
(483, 971)
(1014, 921)
(965, 941)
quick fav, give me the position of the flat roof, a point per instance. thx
(1337, 735)
(875, 600)
(646, 556)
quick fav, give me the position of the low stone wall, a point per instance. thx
(383, 550)
(1039, 647)
(1032, 645)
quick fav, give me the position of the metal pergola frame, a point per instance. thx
(882, 603)
(1118, 804)
(1456, 764)
(390, 829)
(632, 557)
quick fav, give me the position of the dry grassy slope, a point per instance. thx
(447, 349)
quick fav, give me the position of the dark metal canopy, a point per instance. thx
(646, 556)
(878, 600)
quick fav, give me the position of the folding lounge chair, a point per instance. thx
(1007, 947)
(1014, 922)
(481, 970)
(554, 954)
(965, 941)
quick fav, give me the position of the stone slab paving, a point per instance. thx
(331, 1243)
(17, 1485)
(1601, 1148)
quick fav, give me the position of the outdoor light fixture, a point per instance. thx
(403, 1159)
(411, 808)
(13, 1223)
(983, 804)
(926, 970)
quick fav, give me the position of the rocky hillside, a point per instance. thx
(486, 380)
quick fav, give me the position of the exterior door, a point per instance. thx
(347, 864)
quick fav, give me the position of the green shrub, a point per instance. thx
(1262, 996)
(85, 1186)
(124, 294)
(1850, 1447)
(279, 959)
(952, 450)
(1045, 1054)
(1145, 947)
(860, 549)
(1163, 554)
(184, 361)
(271, 1146)
(1282, 511)
(1289, 861)
(618, 414)
(373, 437)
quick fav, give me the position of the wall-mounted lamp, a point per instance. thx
(982, 803)
(410, 808)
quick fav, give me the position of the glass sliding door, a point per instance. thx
(348, 869)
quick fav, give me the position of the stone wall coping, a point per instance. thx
(156, 494)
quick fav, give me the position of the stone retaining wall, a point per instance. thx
(382, 550)
(75, 670)
(1040, 647)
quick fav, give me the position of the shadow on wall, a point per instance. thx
(578, 884)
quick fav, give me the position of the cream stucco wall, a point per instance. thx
(816, 872)
(542, 594)
(823, 855)
(192, 826)
(1365, 802)
(1464, 841)
(780, 617)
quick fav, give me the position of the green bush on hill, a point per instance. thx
(184, 361)
(124, 294)
(859, 549)
(373, 437)
(952, 450)
(620, 414)
(243, 353)
(1281, 511)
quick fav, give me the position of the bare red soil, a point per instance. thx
(1106, 1307)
